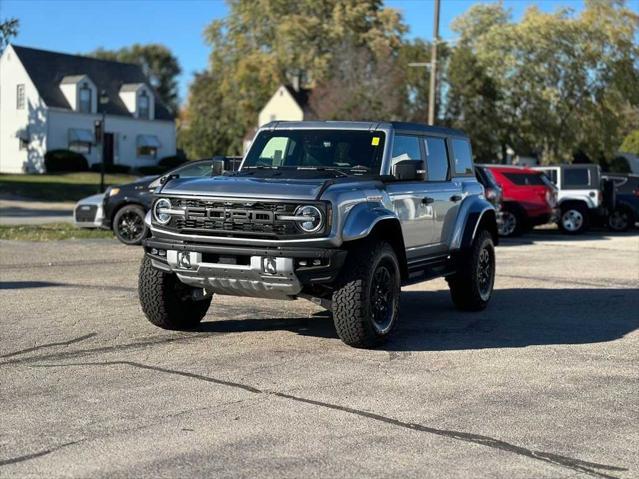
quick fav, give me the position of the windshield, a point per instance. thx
(342, 151)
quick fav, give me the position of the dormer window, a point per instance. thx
(84, 105)
(143, 105)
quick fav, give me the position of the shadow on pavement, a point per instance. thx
(515, 318)
(554, 235)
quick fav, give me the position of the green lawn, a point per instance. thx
(50, 232)
(58, 187)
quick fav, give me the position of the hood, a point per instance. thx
(92, 200)
(145, 180)
(245, 187)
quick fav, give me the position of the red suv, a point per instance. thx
(530, 199)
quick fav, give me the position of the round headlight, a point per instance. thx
(159, 215)
(314, 218)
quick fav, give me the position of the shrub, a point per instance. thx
(110, 168)
(56, 161)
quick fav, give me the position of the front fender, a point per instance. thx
(472, 212)
(362, 218)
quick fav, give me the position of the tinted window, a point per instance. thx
(436, 159)
(463, 157)
(199, 169)
(525, 179)
(576, 177)
(405, 148)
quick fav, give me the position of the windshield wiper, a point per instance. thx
(322, 168)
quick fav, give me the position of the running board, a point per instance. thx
(429, 268)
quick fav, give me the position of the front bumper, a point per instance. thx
(267, 272)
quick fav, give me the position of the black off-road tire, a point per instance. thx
(356, 292)
(167, 302)
(620, 219)
(466, 288)
(581, 221)
(134, 230)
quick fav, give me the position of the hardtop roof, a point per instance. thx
(398, 126)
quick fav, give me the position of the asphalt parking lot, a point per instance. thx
(543, 384)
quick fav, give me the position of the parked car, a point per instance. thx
(492, 190)
(580, 195)
(625, 212)
(88, 212)
(529, 199)
(123, 207)
(340, 213)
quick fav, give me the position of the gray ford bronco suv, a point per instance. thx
(340, 213)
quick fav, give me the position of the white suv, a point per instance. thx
(579, 195)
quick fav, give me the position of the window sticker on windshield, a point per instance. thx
(375, 141)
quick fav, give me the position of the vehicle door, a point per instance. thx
(581, 182)
(443, 186)
(410, 199)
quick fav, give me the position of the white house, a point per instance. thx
(289, 102)
(50, 101)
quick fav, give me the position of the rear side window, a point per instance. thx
(525, 179)
(576, 177)
(463, 157)
(436, 159)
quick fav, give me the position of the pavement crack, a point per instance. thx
(48, 345)
(590, 468)
(104, 349)
(27, 457)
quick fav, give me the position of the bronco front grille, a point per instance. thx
(255, 219)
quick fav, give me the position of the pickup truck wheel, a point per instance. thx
(620, 220)
(128, 224)
(366, 300)
(472, 285)
(574, 219)
(167, 302)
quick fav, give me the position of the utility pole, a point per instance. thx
(433, 68)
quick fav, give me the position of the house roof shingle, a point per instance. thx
(47, 70)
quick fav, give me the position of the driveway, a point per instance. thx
(542, 384)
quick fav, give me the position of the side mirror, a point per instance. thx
(217, 167)
(409, 170)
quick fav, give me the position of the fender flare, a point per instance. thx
(473, 213)
(362, 218)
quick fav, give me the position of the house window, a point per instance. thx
(143, 106)
(24, 143)
(148, 152)
(20, 96)
(85, 99)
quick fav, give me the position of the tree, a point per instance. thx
(360, 87)
(631, 143)
(8, 30)
(262, 43)
(157, 62)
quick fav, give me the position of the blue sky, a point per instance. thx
(76, 26)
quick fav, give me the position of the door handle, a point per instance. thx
(455, 197)
(426, 200)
